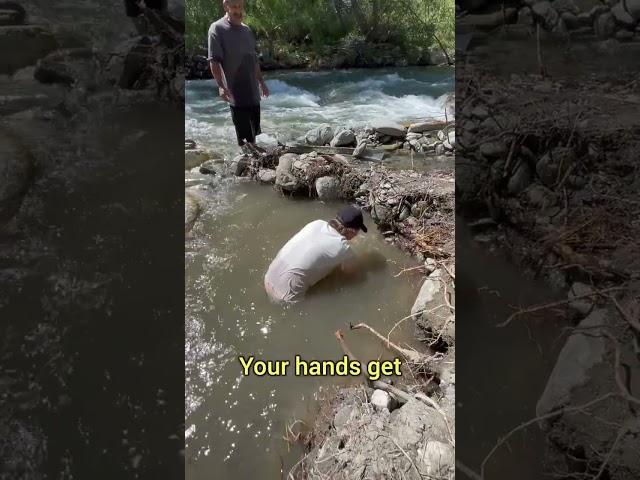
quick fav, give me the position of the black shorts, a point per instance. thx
(247, 123)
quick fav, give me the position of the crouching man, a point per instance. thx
(312, 254)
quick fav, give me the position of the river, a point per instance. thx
(234, 424)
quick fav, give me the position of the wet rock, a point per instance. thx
(328, 188)
(240, 164)
(521, 178)
(195, 158)
(210, 167)
(381, 400)
(285, 179)
(571, 20)
(66, 67)
(605, 26)
(633, 7)
(192, 209)
(582, 305)
(624, 35)
(344, 138)
(319, 136)
(428, 292)
(34, 42)
(390, 129)
(525, 16)
(422, 127)
(564, 6)
(266, 175)
(580, 354)
(493, 149)
(381, 214)
(16, 171)
(622, 17)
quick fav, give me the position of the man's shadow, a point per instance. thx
(360, 268)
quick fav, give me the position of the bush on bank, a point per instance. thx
(309, 30)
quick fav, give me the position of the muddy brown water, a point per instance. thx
(234, 424)
(501, 372)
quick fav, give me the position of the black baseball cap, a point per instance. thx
(351, 217)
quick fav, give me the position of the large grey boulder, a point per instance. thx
(23, 45)
(285, 179)
(428, 292)
(319, 136)
(16, 169)
(546, 13)
(583, 351)
(392, 129)
(328, 188)
(344, 138)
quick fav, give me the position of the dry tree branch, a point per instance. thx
(559, 303)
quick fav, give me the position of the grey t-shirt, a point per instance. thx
(234, 47)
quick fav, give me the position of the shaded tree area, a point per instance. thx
(304, 32)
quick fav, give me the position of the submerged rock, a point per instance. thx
(195, 158)
(33, 42)
(266, 175)
(328, 188)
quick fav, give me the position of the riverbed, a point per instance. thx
(234, 424)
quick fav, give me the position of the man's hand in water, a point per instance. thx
(225, 94)
(264, 88)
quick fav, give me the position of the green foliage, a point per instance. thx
(318, 25)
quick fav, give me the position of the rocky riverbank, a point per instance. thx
(546, 168)
(379, 428)
(610, 22)
(350, 54)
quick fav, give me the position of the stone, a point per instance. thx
(267, 176)
(195, 158)
(34, 42)
(192, 209)
(16, 172)
(622, 17)
(344, 138)
(390, 129)
(381, 400)
(430, 265)
(66, 67)
(540, 196)
(624, 35)
(423, 127)
(525, 16)
(360, 148)
(319, 136)
(439, 460)
(553, 164)
(633, 7)
(413, 136)
(210, 167)
(580, 354)
(480, 112)
(488, 20)
(563, 6)
(240, 164)
(284, 176)
(451, 137)
(605, 26)
(437, 57)
(493, 149)
(521, 178)
(343, 416)
(328, 188)
(381, 214)
(439, 149)
(571, 20)
(582, 305)
(428, 292)
(546, 13)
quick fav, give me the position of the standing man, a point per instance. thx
(235, 68)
